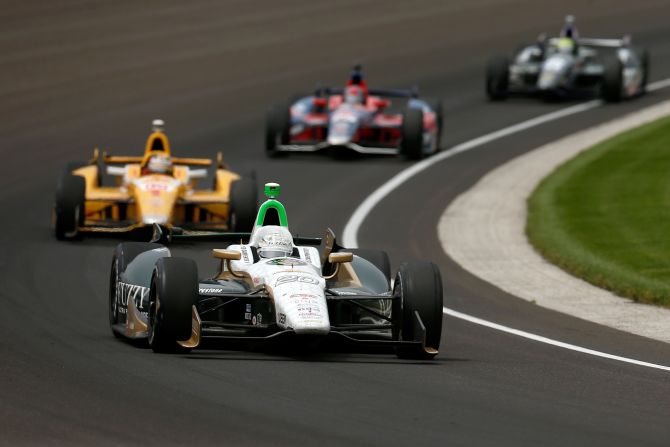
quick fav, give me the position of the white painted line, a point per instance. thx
(663, 83)
(549, 341)
(350, 233)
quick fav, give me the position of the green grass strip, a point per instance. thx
(604, 216)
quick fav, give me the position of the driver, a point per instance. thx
(158, 164)
(274, 242)
(567, 42)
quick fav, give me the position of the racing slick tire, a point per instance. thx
(436, 105)
(243, 204)
(378, 258)
(644, 63)
(497, 78)
(411, 146)
(124, 254)
(417, 288)
(612, 84)
(277, 129)
(174, 290)
(69, 210)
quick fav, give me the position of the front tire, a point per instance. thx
(497, 79)
(411, 146)
(69, 209)
(418, 288)
(243, 204)
(174, 290)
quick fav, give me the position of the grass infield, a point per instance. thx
(604, 216)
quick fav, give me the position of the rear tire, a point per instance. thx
(243, 204)
(277, 129)
(644, 62)
(378, 258)
(436, 105)
(411, 146)
(417, 288)
(69, 209)
(174, 290)
(497, 78)
(612, 85)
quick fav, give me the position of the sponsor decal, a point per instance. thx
(247, 315)
(207, 290)
(282, 318)
(245, 254)
(343, 292)
(253, 320)
(247, 307)
(286, 261)
(296, 278)
(125, 292)
(308, 258)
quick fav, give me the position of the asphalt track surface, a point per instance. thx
(75, 75)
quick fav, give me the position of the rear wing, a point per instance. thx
(385, 93)
(598, 43)
(122, 159)
(163, 234)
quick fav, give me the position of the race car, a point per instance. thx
(270, 287)
(570, 65)
(153, 188)
(355, 118)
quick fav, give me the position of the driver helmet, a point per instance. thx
(274, 242)
(159, 164)
(354, 95)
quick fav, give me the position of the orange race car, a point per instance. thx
(156, 188)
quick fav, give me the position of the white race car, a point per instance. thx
(274, 286)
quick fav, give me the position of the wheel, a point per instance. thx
(497, 78)
(124, 253)
(418, 288)
(243, 204)
(411, 146)
(612, 84)
(644, 63)
(378, 258)
(436, 105)
(69, 210)
(277, 129)
(174, 290)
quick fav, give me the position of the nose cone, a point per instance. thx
(155, 198)
(338, 140)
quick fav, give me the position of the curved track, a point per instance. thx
(80, 74)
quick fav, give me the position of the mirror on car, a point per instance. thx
(229, 255)
(338, 258)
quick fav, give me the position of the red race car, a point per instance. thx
(356, 118)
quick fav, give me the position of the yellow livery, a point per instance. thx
(121, 194)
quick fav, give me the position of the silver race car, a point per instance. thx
(570, 66)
